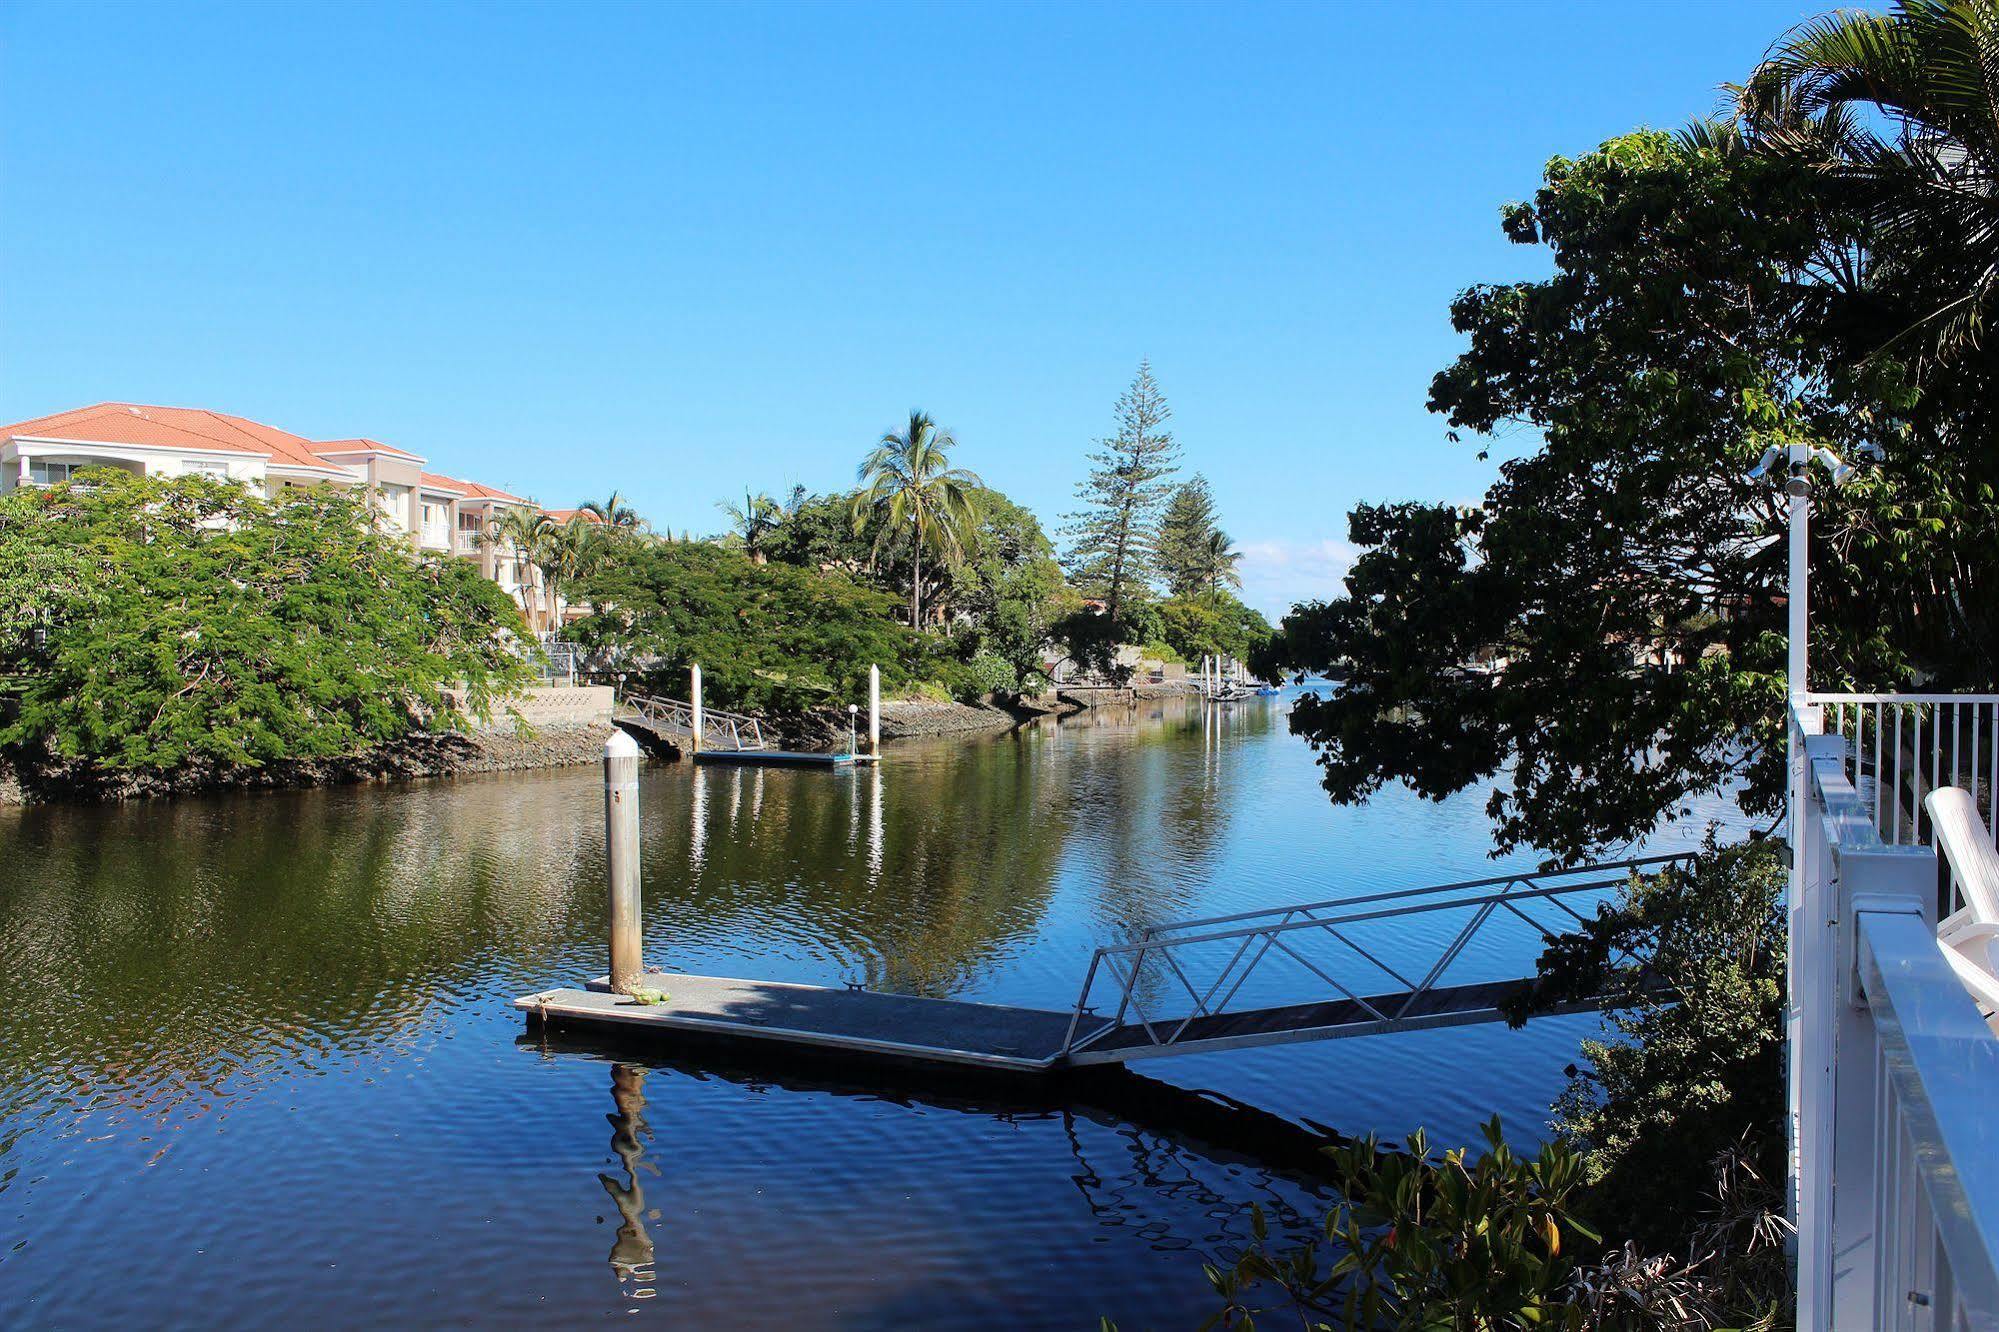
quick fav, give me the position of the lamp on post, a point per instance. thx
(853, 728)
(1807, 1093)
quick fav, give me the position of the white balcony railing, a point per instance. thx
(1900, 747)
(1895, 1073)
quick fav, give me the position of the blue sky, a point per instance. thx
(681, 250)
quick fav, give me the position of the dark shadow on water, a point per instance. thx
(1182, 1158)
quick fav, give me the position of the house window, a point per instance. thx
(207, 467)
(468, 522)
(41, 472)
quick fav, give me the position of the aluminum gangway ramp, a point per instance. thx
(672, 720)
(1441, 956)
(1371, 964)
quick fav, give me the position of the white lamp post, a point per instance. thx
(853, 727)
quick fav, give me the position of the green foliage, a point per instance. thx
(1625, 570)
(1489, 1242)
(1698, 1072)
(1211, 623)
(914, 500)
(1113, 539)
(769, 638)
(993, 674)
(166, 624)
(1010, 586)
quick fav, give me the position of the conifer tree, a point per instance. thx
(1113, 539)
(1185, 534)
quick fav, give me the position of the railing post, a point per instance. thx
(874, 710)
(695, 691)
(621, 859)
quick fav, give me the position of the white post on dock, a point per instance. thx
(695, 695)
(621, 859)
(874, 710)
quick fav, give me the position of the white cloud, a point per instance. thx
(1278, 574)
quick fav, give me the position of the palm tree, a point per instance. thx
(526, 533)
(1218, 561)
(1927, 185)
(909, 482)
(614, 513)
(753, 521)
(572, 551)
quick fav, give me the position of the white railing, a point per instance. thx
(1900, 747)
(1894, 1072)
(719, 730)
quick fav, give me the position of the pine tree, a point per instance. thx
(1184, 537)
(1113, 539)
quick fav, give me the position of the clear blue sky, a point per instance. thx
(681, 250)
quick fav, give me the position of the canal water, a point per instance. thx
(257, 1062)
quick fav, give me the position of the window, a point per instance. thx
(206, 467)
(41, 472)
(468, 522)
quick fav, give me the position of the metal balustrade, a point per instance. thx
(1900, 747)
(675, 717)
(1895, 1146)
(1351, 988)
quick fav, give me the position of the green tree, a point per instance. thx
(1900, 114)
(1189, 521)
(614, 513)
(1211, 624)
(1624, 567)
(918, 500)
(1114, 537)
(753, 523)
(1696, 1069)
(527, 536)
(1010, 586)
(770, 637)
(189, 624)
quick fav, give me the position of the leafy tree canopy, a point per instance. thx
(162, 624)
(769, 638)
(1622, 570)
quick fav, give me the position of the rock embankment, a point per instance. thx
(426, 755)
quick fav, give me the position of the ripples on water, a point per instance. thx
(256, 1060)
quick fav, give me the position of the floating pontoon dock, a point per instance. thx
(1171, 990)
(899, 1026)
(784, 758)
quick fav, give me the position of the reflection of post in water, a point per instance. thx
(697, 820)
(631, 1252)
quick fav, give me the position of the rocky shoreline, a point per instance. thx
(548, 746)
(426, 755)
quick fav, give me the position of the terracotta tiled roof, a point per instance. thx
(172, 428)
(358, 446)
(564, 515)
(471, 489)
(432, 481)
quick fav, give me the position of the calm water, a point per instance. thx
(256, 1059)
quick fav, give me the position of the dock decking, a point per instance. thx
(947, 1031)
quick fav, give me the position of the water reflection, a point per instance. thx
(1156, 1166)
(631, 1251)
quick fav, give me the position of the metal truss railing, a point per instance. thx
(719, 730)
(1173, 950)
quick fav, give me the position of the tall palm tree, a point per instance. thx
(572, 551)
(753, 521)
(909, 482)
(1219, 558)
(614, 513)
(526, 533)
(1927, 181)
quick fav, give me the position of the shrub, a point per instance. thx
(164, 623)
(993, 673)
